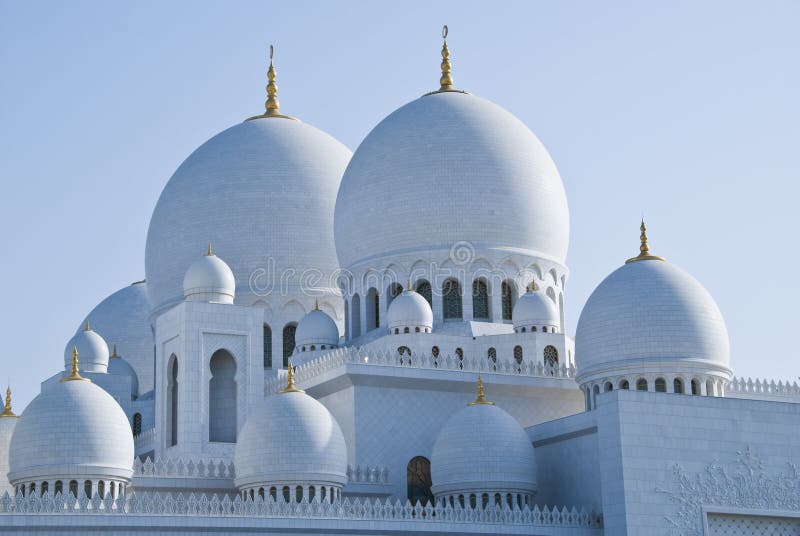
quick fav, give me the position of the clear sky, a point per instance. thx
(684, 111)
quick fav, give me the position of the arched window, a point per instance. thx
(298, 494)
(424, 288)
(480, 300)
(518, 354)
(404, 350)
(595, 392)
(533, 328)
(59, 487)
(373, 309)
(608, 387)
(508, 290)
(101, 489)
(492, 355)
(137, 424)
(695, 387)
(709, 388)
(394, 290)
(550, 356)
(87, 488)
(285, 492)
(406, 330)
(418, 480)
(346, 320)
(451, 300)
(677, 386)
(222, 398)
(46, 487)
(355, 321)
(435, 351)
(288, 342)
(73, 488)
(624, 385)
(641, 384)
(172, 388)
(267, 331)
(460, 356)
(661, 385)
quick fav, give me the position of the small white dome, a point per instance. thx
(409, 310)
(73, 430)
(535, 308)
(209, 279)
(92, 349)
(118, 366)
(290, 438)
(122, 318)
(316, 328)
(483, 449)
(650, 313)
(7, 423)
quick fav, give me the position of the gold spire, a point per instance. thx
(74, 375)
(290, 388)
(114, 353)
(209, 251)
(7, 412)
(644, 250)
(272, 106)
(481, 400)
(87, 327)
(446, 80)
(409, 288)
(532, 287)
(316, 304)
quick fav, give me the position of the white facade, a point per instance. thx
(635, 427)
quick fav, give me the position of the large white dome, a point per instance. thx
(450, 168)
(480, 449)
(262, 192)
(316, 327)
(121, 319)
(209, 279)
(288, 438)
(92, 349)
(535, 309)
(73, 430)
(650, 312)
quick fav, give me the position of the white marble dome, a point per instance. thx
(482, 448)
(209, 279)
(92, 349)
(316, 328)
(119, 366)
(650, 312)
(74, 430)
(534, 309)
(263, 193)
(450, 168)
(290, 438)
(409, 310)
(122, 319)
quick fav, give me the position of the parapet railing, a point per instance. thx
(183, 469)
(178, 504)
(386, 358)
(367, 474)
(763, 387)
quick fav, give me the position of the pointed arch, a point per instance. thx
(480, 300)
(267, 345)
(418, 481)
(222, 398)
(355, 320)
(509, 298)
(373, 309)
(288, 341)
(172, 399)
(451, 300)
(423, 288)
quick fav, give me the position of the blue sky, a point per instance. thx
(685, 112)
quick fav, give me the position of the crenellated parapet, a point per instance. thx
(183, 468)
(763, 389)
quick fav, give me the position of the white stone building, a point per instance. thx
(304, 355)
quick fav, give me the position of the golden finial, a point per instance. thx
(74, 374)
(316, 304)
(7, 412)
(209, 251)
(409, 288)
(532, 287)
(290, 388)
(481, 400)
(272, 105)
(87, 327)
(446, 81)
(114, 353)
(644, 250)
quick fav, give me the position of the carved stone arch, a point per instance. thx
(536, 270)
(553, 276)
(481, 267)
(394, 273)
(222, 396)
(293, 309)
(551, 293)
(509, 267)
(420, 270)
(371, 279)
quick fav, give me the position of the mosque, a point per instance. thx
(319, 349)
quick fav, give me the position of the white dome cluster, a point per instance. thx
(534, 311)
(316, 331)
(291, 442)
(409, 313)
(91, 347)
(74, 431)
(483, 453)
(209, 279)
